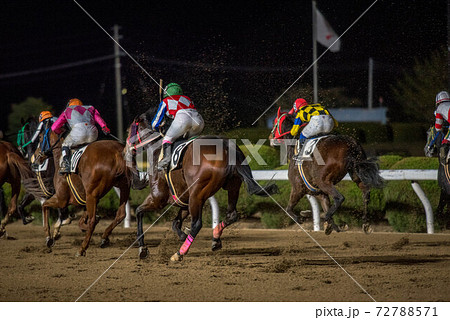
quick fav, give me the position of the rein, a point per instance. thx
(276, 131)
(142, 143)
(21, 137)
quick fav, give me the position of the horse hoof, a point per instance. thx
(367, 228)
(49, 242)
(216, 244)
(104, 243)
(80, 253)
(328, 227)
(3, 234)
(27, 220)
(57, 236)
(143, 252)
(176, 257)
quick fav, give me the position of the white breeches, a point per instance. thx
(81, 133)
(187, 122)
(318, 125)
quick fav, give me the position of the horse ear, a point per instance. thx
(279, 112)
(22, 121)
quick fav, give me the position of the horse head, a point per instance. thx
(25, 135)
(281, 128)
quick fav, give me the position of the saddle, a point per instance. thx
(178, 149)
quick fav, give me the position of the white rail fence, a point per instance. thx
(389, 175)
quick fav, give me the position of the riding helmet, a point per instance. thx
(172, 89)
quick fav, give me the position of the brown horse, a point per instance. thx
(337, 156)
(100, 168)
(10, 160)
(209, 164)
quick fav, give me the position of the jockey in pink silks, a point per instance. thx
(81, 120)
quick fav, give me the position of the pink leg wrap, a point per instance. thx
(186, 245)
(217, 232)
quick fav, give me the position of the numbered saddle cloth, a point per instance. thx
(178, 149)
(76, 156)
(308, 147)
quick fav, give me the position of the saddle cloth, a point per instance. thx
(308, 147)
(76, 156)
(178, 149)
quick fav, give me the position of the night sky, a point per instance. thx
(245, 52)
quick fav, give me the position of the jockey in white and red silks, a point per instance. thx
(81, 120)
(442, 114)
(187, 121)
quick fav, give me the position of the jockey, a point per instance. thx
(442, 114)
(46, 119)
(318, 119)
(187, 121)
(81, 120)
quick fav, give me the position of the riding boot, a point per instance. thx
(298, 157)
(65, 164)
(443, 151)
(165, 161)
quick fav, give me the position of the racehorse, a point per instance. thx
(209, 164)
(44, 177)
(443, 170)
(337, 155)
(100, 168)
(10, 159)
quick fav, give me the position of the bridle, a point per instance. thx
(138, 140)
(277, 127)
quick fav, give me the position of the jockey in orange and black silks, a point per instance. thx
(318, 120)
(81, 120)
(187, 121)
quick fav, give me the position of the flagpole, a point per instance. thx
(314, 33)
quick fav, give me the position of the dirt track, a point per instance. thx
(254, 265)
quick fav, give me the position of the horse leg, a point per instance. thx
(232, 215)
(15, 190)
(338, 198)
(120, 215)
(195, 209)
(27, 199)
(178, 222)
(91, 208)
(294, 198)
(442, 203)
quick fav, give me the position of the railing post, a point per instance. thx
(315, 208)
(426, 204)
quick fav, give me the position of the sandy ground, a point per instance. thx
(254, 265)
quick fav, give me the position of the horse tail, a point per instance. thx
(368, 171)
(244, 171)
(27, 176)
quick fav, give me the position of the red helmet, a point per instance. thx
(298, 104)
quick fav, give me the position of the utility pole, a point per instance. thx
(118, 82)
(314, 32)
(370, 85)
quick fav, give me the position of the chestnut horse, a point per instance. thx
(339, 155)
(209, 164)
(10, 160)
(100, 168)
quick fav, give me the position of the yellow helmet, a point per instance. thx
(45, 115)
(74, 102)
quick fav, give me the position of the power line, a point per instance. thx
(56, 67)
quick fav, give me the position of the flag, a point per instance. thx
(325, 34)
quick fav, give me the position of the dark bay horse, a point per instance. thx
(100, 168)
(209, 164)
(339, 155)
(443, 171)
(44, 178)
